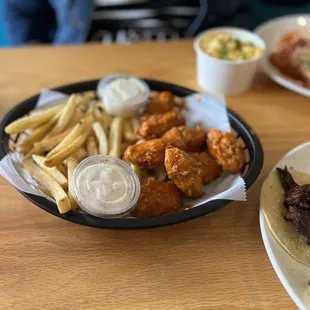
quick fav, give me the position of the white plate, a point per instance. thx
(293, 275)
(271, 32)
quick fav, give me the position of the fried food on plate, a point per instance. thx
(101, 137)
(163, 102)
(32, 121)
(148, 154)
(210, 169)
(186, 139)
(71, 165)
(53, 171)
(158, 198)
(115, 137)
(185, 172)
(156, 125)
(63, 154)
(62, 200)
(226, 149)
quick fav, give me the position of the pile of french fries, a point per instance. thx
(64, 135)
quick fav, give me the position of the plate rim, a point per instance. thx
(284, 281)
(163, 220)
(264, 227)
(270, 70)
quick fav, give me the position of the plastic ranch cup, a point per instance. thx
(228, 77)
(105, 186)
(123, 95)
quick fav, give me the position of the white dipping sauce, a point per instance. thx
(123, 96)
(105, 187)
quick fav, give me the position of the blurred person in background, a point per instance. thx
(47, 21)
(120, 21)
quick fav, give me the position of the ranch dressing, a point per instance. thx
(123, 95)
(105, 186)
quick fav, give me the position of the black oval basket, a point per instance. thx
(250, 173)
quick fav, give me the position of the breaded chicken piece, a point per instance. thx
(210, 169)
(186, 139)
(226, 149)
(148, 154)
(184, 171)
(163, 102)
(158, 198)
(156, 125)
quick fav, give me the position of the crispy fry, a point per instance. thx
(71, 164)
(44, 190)
(62, 169)
(38, 134)
(135, 124)
(65, 117)
(101, 137)
(53, 172)
(80, 154)
(104, 119)
(60, 156)
(128, 131)
(136, 169)
(77, 116)
(31, 121)
(115, 137)
(73, 135)
(91, 145)
(62, 200)
(48, 144)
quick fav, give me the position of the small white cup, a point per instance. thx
(228, 77)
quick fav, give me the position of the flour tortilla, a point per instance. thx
(272, 196)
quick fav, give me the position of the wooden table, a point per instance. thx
(214, 262)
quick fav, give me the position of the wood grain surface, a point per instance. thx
(214, 262)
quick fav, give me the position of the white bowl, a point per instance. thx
(293, 274)
(227, 77)
(271, 32)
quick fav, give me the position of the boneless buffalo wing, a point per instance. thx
(226, 149)
(150, 153)
(158, 198)
(210, 169)
(163, 102)
(185, 172)
(186, 139)
(156, 125)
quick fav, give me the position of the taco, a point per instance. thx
(285, 205)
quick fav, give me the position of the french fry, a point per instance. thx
(44, 190)
(85, 97)
(31, 121)
(72, 136)
(38, 134)
(135, 124)
(91, 145)
(53, 172)
(161, 174)
(80, 154)
(62, 169)
(77, 116)
(65, 116)
(128, 132)
(62, 200)
(124, 147)
(47, 145)
(104, 119)
(71, 164)
(115, 137)
(64, 153)
(101, 137)
(136, 169)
